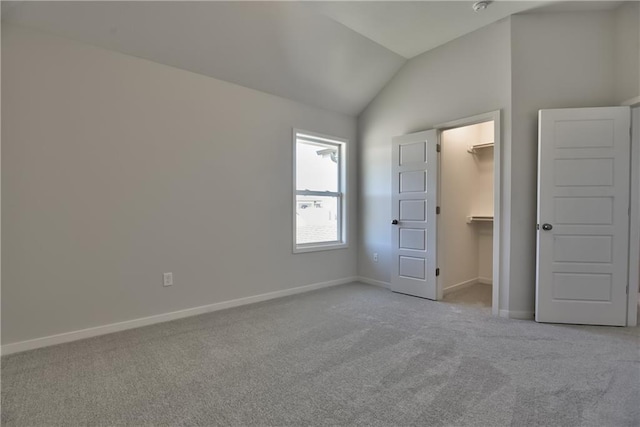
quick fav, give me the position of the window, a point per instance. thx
(319, 192)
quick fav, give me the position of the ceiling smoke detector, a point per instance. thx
(480, 5)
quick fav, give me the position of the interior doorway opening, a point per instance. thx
(469, 201)
(425, 258)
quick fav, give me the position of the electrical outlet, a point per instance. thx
(375, 257)
(167, 279)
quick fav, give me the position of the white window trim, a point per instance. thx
(344, 200)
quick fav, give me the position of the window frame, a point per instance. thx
(341, 194)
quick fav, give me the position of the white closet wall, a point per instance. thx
(483, 204)
(458, 258)
(466, 189)
(483, 201)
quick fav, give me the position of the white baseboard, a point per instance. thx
(459, 286)
(374, 282)
(521, 315)
(485, 280)
(165, 317)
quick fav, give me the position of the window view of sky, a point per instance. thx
(315, 172)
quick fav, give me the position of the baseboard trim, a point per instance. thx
(160, 318)
(485, 280)
(374, 282)
(520, 315)
(458, 286)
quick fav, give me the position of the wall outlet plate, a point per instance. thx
(167, 279)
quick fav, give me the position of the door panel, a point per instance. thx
(415, 169)
(412, 267)
(574, 248)
(414, 181)
(584, 210)
(584, 172)
(412, 210)
(412, 238)
(411, 153)
(584, 134)
(580, 286)
(583, 201)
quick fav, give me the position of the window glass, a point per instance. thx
(317, 219)
(319, 192)
(317, 166)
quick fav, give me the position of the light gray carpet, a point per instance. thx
(349, 355)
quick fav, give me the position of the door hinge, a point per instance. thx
(437, 210)
(437, 272)
(438, 148)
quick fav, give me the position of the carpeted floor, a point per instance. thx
(349, 355)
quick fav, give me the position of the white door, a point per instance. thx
(583, 216)
(414, 198)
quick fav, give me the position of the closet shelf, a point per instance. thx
(474, 148)
(478, 218)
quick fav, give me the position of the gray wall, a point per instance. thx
(560, 60)
(117, 169)
(627, 51)
(467, 76)
(529, 62)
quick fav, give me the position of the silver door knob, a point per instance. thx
(547, 227)
(394, 222)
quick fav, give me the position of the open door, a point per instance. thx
(414, 198)
(583, 216)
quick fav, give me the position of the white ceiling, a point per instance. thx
(280, 48)
(334, 55)
(411, 28)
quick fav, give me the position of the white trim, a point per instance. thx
(485, 281)
(151, 320)
(497, 196)
(631, 102)
(321, 136)
(458, 286)
(519, 315)
(316, 247)
(634, 218)
(374, 282)
(344, 193)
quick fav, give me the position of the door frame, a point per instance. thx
(494, 116)
(634, 218)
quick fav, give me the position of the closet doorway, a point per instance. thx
(446, 243)
(468, 223)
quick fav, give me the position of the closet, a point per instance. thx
(465, 231)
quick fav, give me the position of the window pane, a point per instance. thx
(316, 219)
(317, 166)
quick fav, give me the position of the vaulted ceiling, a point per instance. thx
(333, 55)
(413, 27)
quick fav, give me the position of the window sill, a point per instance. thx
(316, 247)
